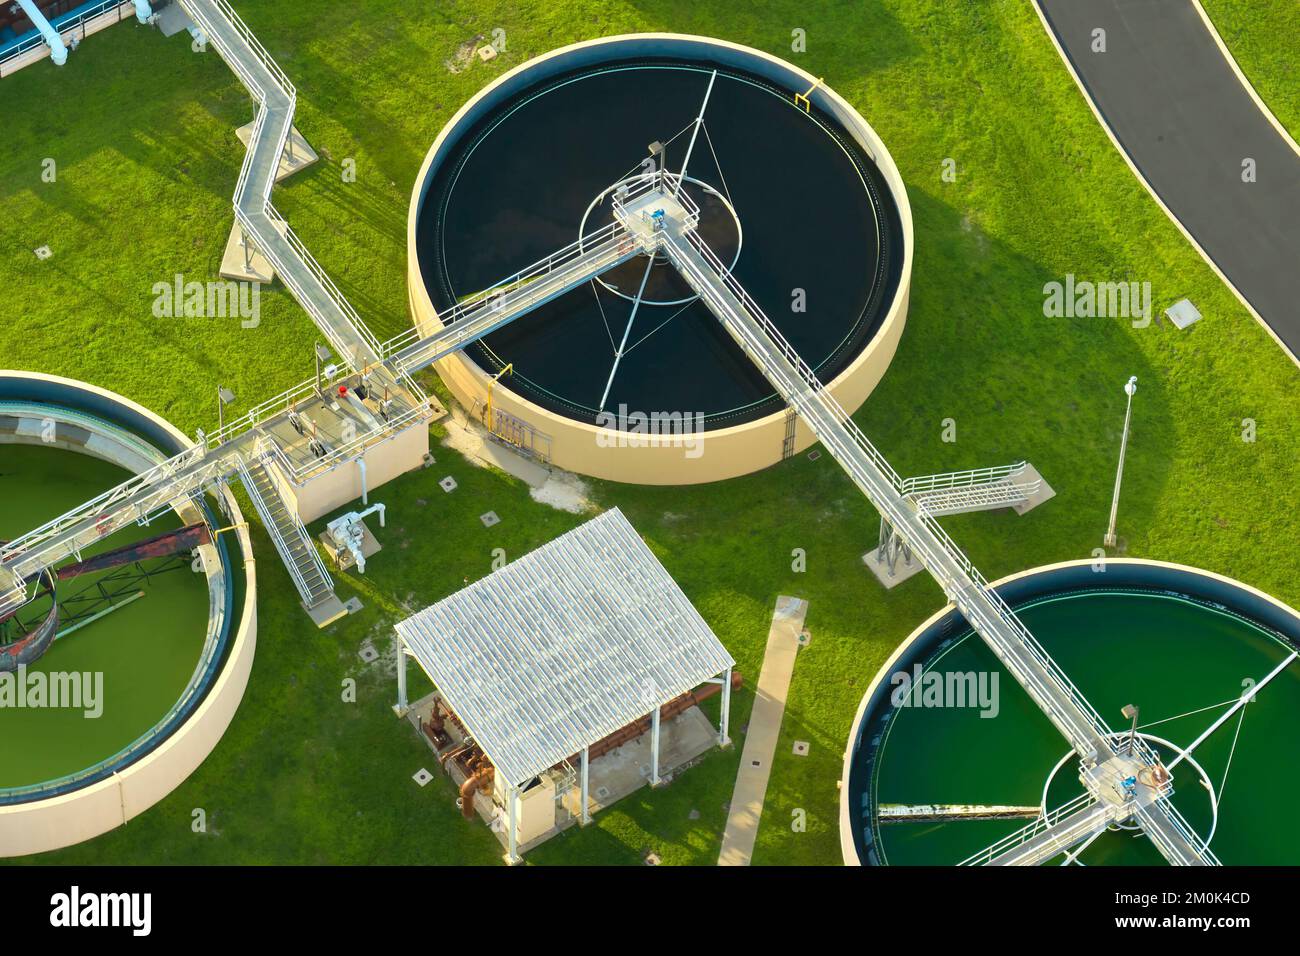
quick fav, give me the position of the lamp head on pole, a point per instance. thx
(225, 395)
(1131, 386)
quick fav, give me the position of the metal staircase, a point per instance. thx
(981, 489)
(288, 534)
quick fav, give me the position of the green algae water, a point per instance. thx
(1169, 655)
(146, 651)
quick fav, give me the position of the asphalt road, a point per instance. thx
(1178, 109)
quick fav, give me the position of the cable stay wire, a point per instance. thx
(721, 175)
(1224, 782)
(660, 325)
(596, 293)
(1190, 713)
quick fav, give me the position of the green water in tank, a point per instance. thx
(146, 651)
(1168, 655)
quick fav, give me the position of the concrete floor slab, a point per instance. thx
(627, 768)
(761, 735)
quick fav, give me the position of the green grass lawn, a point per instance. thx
(1262, 37)
(142, 131)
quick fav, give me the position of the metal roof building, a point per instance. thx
(562, 647)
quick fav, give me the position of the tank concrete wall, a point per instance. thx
(727, 452)
(53, 822)
(1022, 586)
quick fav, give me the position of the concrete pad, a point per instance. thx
(327, 612)
(297, 155)
(1045, 491)
(747, 798)
(626, 769)
(342, 557)
(902, 570)
(1182, 314)
(172, 19)
(612, 776)
(471, 440)
(233, 265)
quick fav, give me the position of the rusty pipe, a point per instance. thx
(455, 752)
(480, 779)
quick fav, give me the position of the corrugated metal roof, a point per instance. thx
(564, 646)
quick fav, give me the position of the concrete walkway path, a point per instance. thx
(764, 729)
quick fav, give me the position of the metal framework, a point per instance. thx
(562, 647)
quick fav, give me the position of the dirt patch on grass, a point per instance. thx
(564, 491)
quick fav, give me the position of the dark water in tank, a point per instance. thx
(813, 211)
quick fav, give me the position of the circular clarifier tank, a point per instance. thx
(1178, 643)
(149, 658)
(798, 197)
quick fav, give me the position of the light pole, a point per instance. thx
(1130, 388)
(224, 397)
(1131, 712)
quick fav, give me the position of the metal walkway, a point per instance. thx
(306, 430)
(486, 311)
(796, 382)
(905, 512)
(267, 229)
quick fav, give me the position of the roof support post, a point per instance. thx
(402, 706)
(654, 748)
(723, 739)
(584, 817)
(512, 803)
